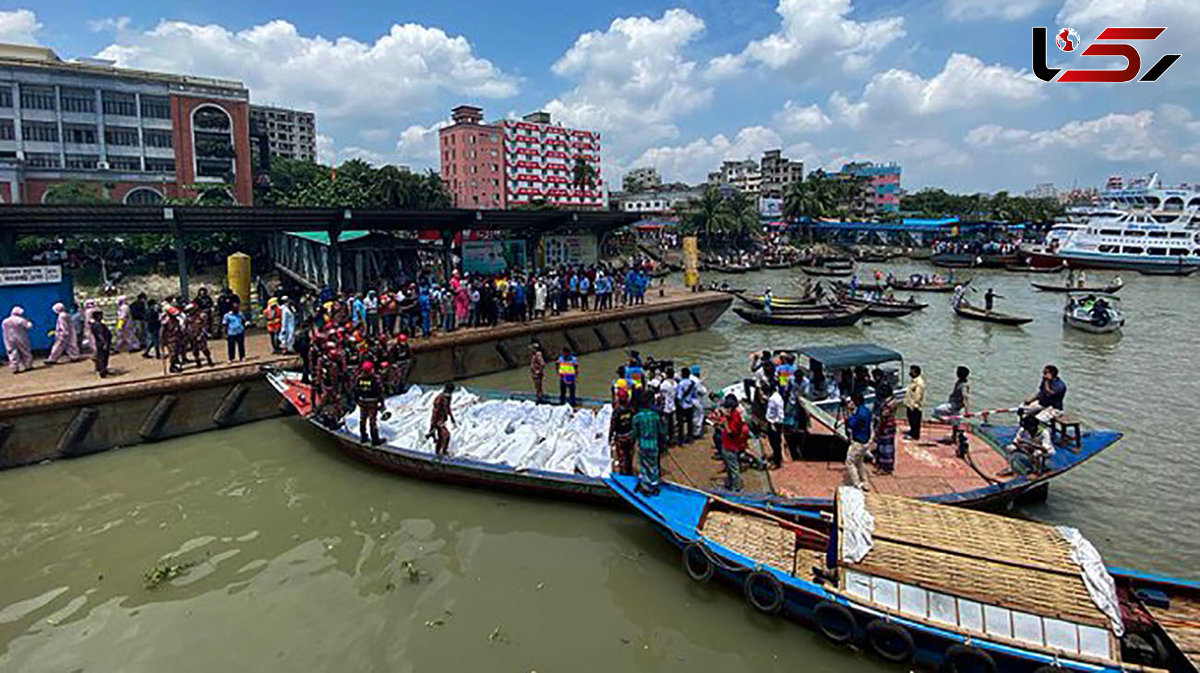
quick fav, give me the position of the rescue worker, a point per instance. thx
(620, 435)
(196, 334)
(16, 340)
(65, 342)
(368, 393)
(287, 325)
(125, 338)
(102, 339)
(403, 361)
(537, 370)
(442, 412)
(172, 339)
(274, 317)
(568, 370)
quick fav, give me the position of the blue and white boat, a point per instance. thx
(935, 587)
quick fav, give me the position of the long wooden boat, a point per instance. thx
(1111, 288)
(757, 301)
(908, 286)
(723, 268)
(778, 264)
(1017, 268)
(832, 317)
(965, 310)
(934, 588)
(954, 260)
(930, 469)
(887, 309)
(826, 271)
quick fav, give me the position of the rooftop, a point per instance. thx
(21, 56)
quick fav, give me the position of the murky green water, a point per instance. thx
(304, 560)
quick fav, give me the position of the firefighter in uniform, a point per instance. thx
(368, 392)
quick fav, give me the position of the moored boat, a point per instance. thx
(1093, 312)
(832, 316)
(1111, 288)
(921, 286)
(758, 301)
(885, 308)
(932, 587)
(955, 260)
(1017, 268)
(965, 310)
(827, 271)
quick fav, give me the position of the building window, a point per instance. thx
(156, 107)
(154, 138)
(7, 130)
(121, 136)
(79, 134)
(44, 132)
(83, 161)
(37, 98)
(36, 160)
(124, 163)
(160, 165)
(117, 103)
(78, 100)
(5, 94)
(143, 196)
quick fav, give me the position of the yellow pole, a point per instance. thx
(238, 275)
(691, 262)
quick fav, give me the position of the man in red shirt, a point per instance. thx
(734, 436)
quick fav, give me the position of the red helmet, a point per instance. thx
(403, 338)
(383, 365)
(368, 367)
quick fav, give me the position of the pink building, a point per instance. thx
(514, 162)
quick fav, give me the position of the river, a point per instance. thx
(300, 559)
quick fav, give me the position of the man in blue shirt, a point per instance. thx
(1047, 404)
(858, 427)
(235, 332)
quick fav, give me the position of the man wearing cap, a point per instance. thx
(368, 392)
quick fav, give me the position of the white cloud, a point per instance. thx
(118, 23)
(976, 10)
(1113, 137)
(19, 26)
(813, 32)
(693, 161)
(370, 156)
(796, 119)
(326, 153)
(410, 67)
(927, 152)
(632, 77)
(419, 144)
(965, 83)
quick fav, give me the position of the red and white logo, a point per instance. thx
(1110, 42)
(1067, 39)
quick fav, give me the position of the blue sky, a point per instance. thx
(942, 86)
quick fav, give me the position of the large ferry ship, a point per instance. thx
(1142, 226)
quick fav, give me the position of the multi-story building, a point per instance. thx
(291, 134)
(778, 173)
(139, 136)
(1042, 190)
(514, 162)
(881, 184)
(662, 200)
(744, 176)
(641, 180)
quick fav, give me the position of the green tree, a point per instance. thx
(741, 216)
(76, 193)
(583, 174)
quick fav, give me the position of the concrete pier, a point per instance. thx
(66, 411)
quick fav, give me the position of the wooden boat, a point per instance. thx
(886, 309)
(727, 290)
(723, 268)
(837, 263)
(1081, 315)
(907, 286)
(954, 260)
(826, 272)
(862, 287)
(778, 264)
(1017, 268)
(1169, 271)
(931, 587)
(929, 469)
(757, 301)
(965, 310)
(835, 316)
(1111, 288)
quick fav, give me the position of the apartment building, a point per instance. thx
(778, 173)
(140, 136)
(291, 134)
(881, 185)
(641, 180)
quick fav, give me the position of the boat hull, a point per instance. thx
(807, 319)
(972, 313)
(1080, 260)
(1091, 327)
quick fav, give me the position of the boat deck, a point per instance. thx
(927, 467)
(1181, 621)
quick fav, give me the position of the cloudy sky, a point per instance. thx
(942, 86)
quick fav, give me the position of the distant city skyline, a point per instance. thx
(944, 87)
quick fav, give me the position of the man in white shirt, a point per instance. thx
(774, 418)
(667, 391)
(1033, 440)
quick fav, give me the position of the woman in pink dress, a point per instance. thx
(462, 304)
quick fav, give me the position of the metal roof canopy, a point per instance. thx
(55, 220)
(850, 355)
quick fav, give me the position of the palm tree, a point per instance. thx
(741, 216)
(583, 174)
(710, 213)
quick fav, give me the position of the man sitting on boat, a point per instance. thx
(1047, 403)
(1033, 439)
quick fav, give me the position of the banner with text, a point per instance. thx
(30, 275)
(572, 250)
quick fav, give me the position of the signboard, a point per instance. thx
(30, 275)
(492, 256)
(770, 207)
(569, 250)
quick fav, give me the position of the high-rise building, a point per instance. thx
(778, 173)
(881, 185)
(140, 137)
(1042, 190)
(744, 176)
(641, 180)
(291, 134)
(518, 161)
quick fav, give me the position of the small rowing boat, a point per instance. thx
(832, 316)
(758, 301)
(886, 309)
(827, 271)
(965, 310)
(910, 286)
(1111, 288)
(1016, 268)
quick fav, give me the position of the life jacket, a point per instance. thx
(274, 319)
(783, 374)
(567, 367)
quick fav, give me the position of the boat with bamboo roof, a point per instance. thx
(933, 587)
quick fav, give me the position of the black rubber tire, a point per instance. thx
(835, 622)
(891, 641)
(764, 582)
(967, 659)
(696, 562)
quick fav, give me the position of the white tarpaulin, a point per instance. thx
(520, 435)
(858, 524)
(1099, 583)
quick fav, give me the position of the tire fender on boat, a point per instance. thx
(763, 591)
(835, 622)
(968, 659)
(697, 563)
(891, 641)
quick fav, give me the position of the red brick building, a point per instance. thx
(513, 162)
(140, 137)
